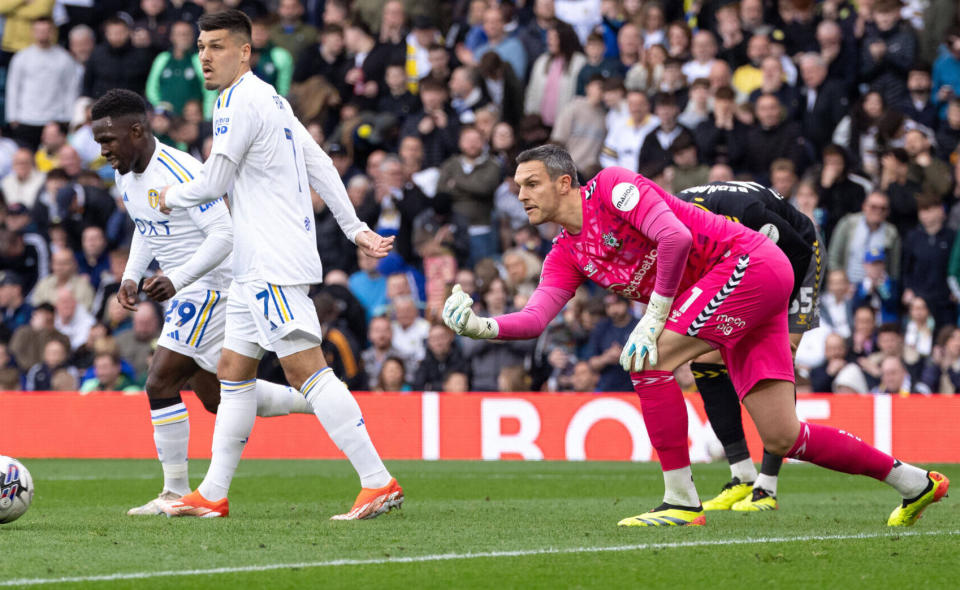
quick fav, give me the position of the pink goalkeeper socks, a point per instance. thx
(840, 451)
(665, 416)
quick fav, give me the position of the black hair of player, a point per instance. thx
(556, 159)
(231, 20)
(117, 103)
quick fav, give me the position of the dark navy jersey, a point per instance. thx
(761, 209)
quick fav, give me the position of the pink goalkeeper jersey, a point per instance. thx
(636, 238)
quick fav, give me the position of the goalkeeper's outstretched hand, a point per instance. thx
(459, 317)
(643, 340)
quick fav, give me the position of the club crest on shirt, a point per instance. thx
(153, 198)
(611, 241)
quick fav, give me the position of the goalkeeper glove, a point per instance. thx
(459, 317)
(643, 339)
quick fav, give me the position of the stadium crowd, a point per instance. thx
(851, 110)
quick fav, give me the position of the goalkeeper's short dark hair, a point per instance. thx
(117, 103)
(556, 159)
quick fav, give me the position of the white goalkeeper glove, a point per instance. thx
(459, 317)
(643, 339)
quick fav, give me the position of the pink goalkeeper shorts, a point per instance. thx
(740, 307)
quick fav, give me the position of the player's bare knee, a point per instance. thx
(779, 444)
(159, 387)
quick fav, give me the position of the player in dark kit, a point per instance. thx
(764, 210)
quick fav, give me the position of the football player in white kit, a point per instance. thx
(193, 248)
(268, 162)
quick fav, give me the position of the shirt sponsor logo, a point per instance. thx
(220, 125)
(625, 196)
(632, 290)
(727, 324)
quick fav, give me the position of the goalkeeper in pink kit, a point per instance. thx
(709, 284)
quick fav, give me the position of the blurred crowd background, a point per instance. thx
(851, 110)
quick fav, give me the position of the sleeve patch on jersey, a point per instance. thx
(771, 231)
(626, 196)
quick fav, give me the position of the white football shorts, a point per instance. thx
(194, 326)
(280, 318)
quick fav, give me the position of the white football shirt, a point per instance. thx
(171, 239)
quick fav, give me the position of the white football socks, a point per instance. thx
(679, 489)
(171, 433)
(744, 470)
(274, 399)
(767, 483)
(235, 417)
(910, 481)
(340, 416)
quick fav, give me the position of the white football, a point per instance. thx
(16, 489)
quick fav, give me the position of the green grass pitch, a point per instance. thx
(469, 525)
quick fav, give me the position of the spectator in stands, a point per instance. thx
(10, 377)
(902, 191)
(437, 125)
(340, 346)
(80, 42)
(14, 309)
(380, 336)
(26, 260)
(439, 58)
(508, 48)
(774, 82)
(137, 345)
(687, 172)
(176, 76)
(722, 139)
(926, 258)
(877, 289)
(52, 138)
(625, 138)
(606, 341)
(392, 28)
(28, 341)
(18, 22)
(487, 358)
(942, 370)
(410, 331)
(783, 177)
(55, 358)
(93, 259)
(772, 137)
(858, 233)
(932, 174)
(370, 60)
(553, 77)
(107, 375)
(466, 95)
(397, 98)
(839, 193)
(889, 50)
(850, 379)
(24, 183)
(290, 32)
(272, 64)
(823, 102)
(597, 63)
(391, 377)
(584, 379)
(656, 145)
(703, 50)
(327, 60)
(889, 338)
(698, 107)
(836, 305)
(116, 63)
(919, 333)
(629, 46)
(946, 72)
(921, 107)
(835, 352)
(863, 340)
(948, 131)
(443, 357)
(471, 179)
(72, 319)
(40, 85)
(400, 202)
(894, 379)
(839, 54)
(64, 267)
(748, 77)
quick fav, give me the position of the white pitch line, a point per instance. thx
(454, 556)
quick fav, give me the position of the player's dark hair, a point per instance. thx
(118, 102)
(230, 20)
(556, 159)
